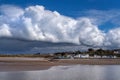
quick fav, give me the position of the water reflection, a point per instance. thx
(78, 72)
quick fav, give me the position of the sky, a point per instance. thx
(55, 25)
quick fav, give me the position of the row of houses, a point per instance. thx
(69, 56)
(76, 55)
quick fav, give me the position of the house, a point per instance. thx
(114, 56)
(117, 51)
(64, 55)
(97, 56)
(81, 56)
(77, 56)
(69, 56)
(84, 56)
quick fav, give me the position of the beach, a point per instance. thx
(30, 64)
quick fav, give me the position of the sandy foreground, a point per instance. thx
(28, 64)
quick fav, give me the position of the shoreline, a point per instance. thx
(30, 64)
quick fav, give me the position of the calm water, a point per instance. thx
(78, 72)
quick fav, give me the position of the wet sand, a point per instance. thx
(29, 64)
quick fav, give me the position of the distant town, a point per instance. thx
(90, 53)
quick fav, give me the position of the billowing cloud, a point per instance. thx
(39, 24)
(113, 38)
(35, 23)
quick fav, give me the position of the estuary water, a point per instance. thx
(74, 72)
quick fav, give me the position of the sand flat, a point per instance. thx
(28, 64)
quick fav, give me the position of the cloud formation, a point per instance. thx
(35, 23)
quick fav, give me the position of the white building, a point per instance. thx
(97, 56)
(117, 51)
(81, 56)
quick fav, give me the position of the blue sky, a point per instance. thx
(65, 6)
(71, 8)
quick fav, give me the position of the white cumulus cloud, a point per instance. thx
(113, 38)
(37, 23)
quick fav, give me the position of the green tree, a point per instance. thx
(99, 52)
(91, 51)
